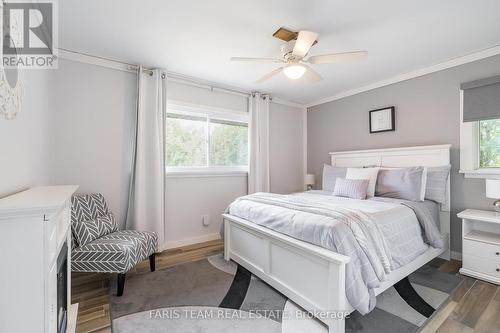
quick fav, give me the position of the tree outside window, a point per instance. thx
(489, 143)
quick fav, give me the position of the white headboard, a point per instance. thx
(429, 156)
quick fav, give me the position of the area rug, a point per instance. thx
(215, 296)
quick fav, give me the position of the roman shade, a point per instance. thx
(481, 99)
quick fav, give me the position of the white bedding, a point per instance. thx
(397, 224)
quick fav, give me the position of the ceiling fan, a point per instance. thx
(293, 56)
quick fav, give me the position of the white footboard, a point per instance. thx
(309, 275)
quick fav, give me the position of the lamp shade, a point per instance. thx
(493, 188)
(309, 179)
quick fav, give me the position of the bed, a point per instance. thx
(313, 276)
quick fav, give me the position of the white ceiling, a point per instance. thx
(197, 38)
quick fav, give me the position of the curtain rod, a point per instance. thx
(128, 67)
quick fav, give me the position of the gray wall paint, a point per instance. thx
(91, 131)
(23, 140)
(285, 148)
(427, 112)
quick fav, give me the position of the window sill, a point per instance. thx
(493, 173)
(202, 173)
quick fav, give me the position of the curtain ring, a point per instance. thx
(163, 76)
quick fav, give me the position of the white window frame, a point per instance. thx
(183, 108)
(469, 149)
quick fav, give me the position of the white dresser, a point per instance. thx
(35, 245)
(481, 244)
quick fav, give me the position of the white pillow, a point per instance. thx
(364, 173)
(423, 185)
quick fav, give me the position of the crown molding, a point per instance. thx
(483, 54)
(278, 100)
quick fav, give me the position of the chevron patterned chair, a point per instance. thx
(98, 246)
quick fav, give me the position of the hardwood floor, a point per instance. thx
(91, 290)
(474, 307)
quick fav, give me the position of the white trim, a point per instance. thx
(190, 241)
(281, 101)
(479, 275)
(455, 255)
(493, 173)
(469, 141)
(206, 172)
(380, 150)
(486, 53)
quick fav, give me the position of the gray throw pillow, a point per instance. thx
(88, 231)
(330, 174)
(437, 179)
(401, 183)
(351, 188)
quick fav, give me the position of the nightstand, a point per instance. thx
(481, 244)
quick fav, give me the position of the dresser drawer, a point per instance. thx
(482, 250)
(482, 265)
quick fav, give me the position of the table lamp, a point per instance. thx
(493, 192)
(309, 181)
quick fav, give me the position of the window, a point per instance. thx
(203, 139)
(489, 143)
(228, 143)
(186, 137)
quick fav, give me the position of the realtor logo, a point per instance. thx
(29, 34)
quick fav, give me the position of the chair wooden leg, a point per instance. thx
(152, 262)
(120, 284)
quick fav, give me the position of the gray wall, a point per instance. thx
(285, 148)
(427, 112)
(90, 131)
(23, 140)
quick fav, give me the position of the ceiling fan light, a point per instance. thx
(294, 72)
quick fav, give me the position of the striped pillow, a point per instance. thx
(88, 231)
(351, 188)
(437, 181)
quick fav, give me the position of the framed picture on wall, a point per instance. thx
(382, 120)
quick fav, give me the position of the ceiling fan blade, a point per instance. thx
(269, 75)
(336, 57)
(311, 75)
(304, 42)
(256, 59)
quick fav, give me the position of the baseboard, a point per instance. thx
(190, 241)
(456, 255)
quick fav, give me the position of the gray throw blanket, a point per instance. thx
(427, 213)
